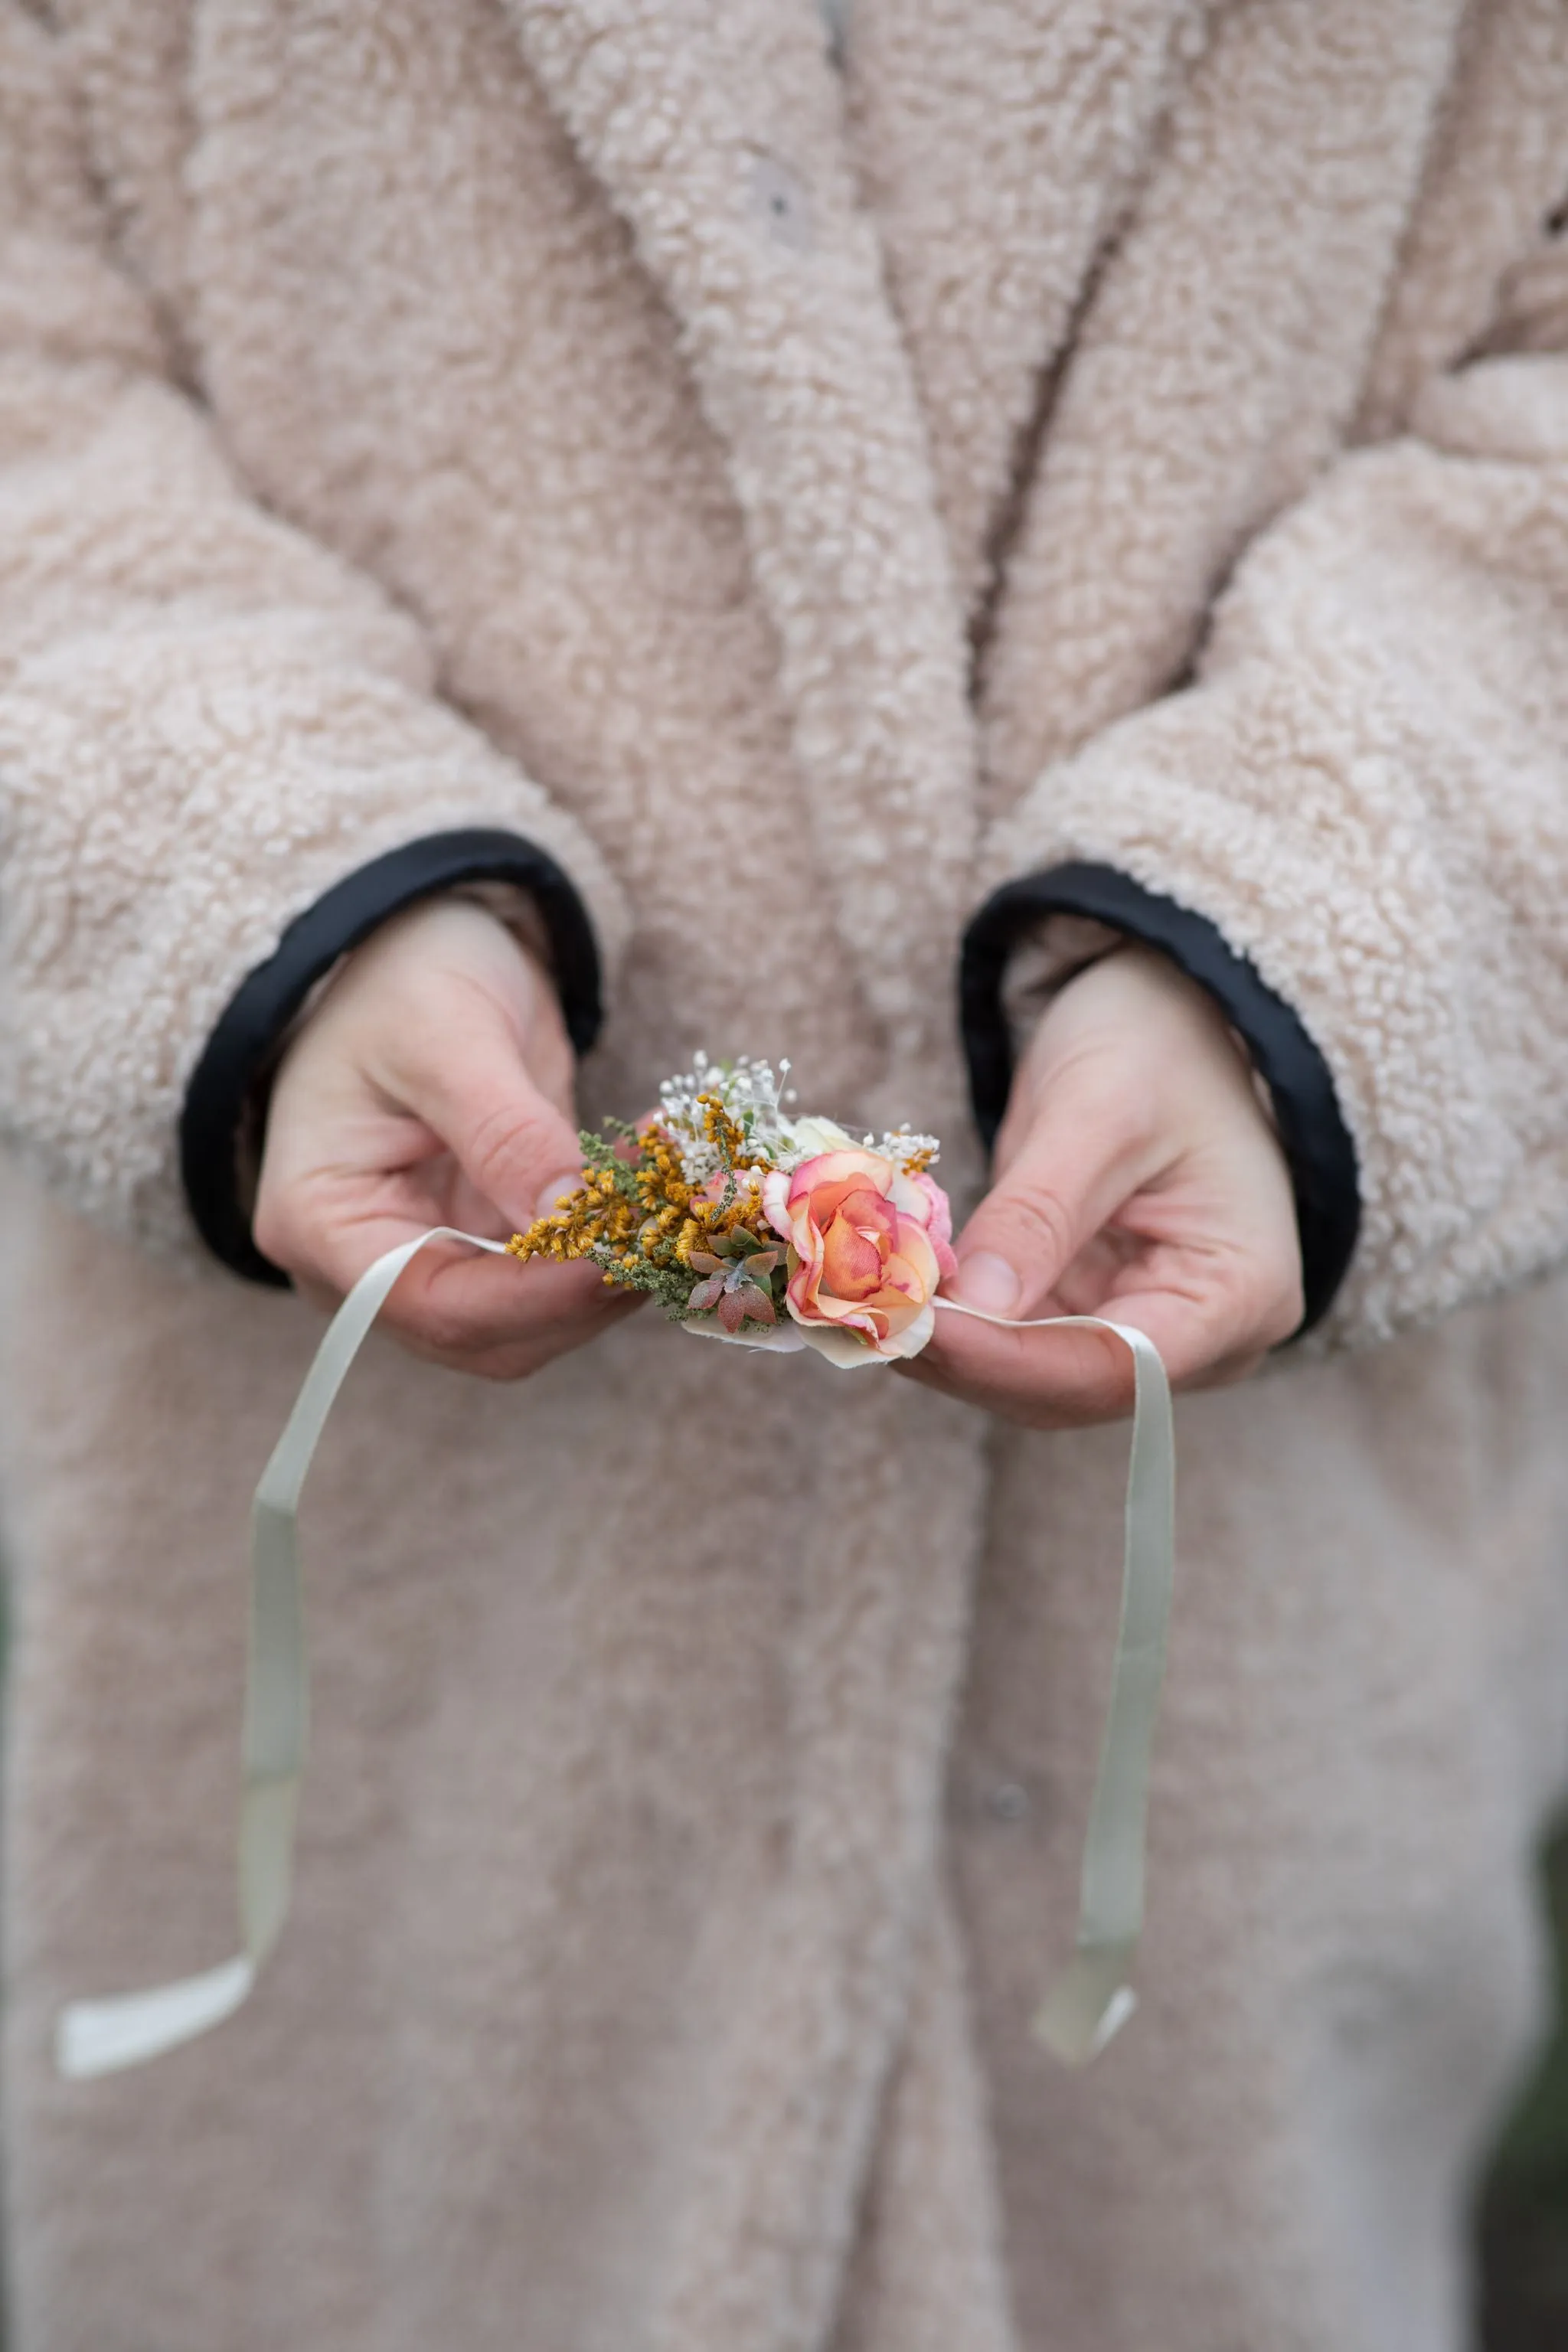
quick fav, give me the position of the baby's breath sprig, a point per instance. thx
(752, 1100)
(912, 1152)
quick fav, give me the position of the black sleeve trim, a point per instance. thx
(233, 1068)
(1317, 1143)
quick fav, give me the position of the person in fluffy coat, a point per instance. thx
(536, 535)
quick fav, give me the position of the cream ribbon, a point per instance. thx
(1084, 2008)
(1093, 1997)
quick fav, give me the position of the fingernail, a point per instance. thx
(550, 1199)
(988, 1282)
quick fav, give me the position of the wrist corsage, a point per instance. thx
(759, 1227)
(767, 1230)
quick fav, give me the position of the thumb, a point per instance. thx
(1074, 1170)
(511, 1142)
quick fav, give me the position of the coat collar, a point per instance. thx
(1002, 149)
(748, 219)
(1218, 357)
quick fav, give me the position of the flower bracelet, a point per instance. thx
(734, 1214)
(769, 1232)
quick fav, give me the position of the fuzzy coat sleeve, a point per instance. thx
(1365, 790)
(206, 720)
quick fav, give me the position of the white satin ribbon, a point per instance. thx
(1081, 2012)
(99, 2037)
(1093, 1997)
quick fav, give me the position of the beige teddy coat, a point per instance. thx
(800, 491)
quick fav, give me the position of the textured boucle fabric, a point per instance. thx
(1364, 789)
(800, 495)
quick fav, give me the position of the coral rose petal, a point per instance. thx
(800, 1293)
(826, 1201)
(876, 1218)
(863, 1257)
(917, 1260)
(938, 1225)
(841, 1168)
(851, 1265)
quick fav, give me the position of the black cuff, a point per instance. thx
(1316, 1141)
(230, 1078)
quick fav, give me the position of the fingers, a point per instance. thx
(1214, 1314)
(1070, 1378)
(1040, 1380)
(410, 1100)
(1076, 1162)
(514, 1147)
(1080, 1156)
(1214, 1311)
(482, 1313)
(1144, 1187)
(497, 1318)
(487, 1315)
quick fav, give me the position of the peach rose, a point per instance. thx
(867, 1247)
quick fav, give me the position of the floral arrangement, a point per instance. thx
(756, 1227)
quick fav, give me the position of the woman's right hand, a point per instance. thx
(432, 1086)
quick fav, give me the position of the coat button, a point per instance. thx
(1007, 1800)
(780, 205)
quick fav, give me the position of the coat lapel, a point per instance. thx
(1001, 148)
(748, 220)
(1495, 172)
(1219, 359)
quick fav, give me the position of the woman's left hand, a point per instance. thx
(1138, 1178)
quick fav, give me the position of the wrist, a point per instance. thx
(1302, 1102)
(1043, 963)
(1170, 1056)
